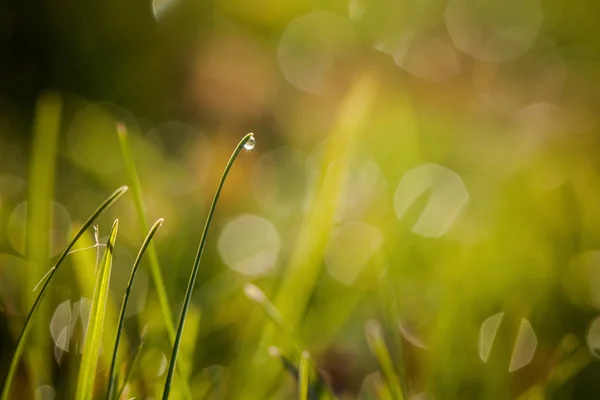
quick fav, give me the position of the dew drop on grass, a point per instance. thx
(249, 145)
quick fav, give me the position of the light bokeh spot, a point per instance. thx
(525, 346)
(426, 56)
(66, 320)
(59, 233)
(310, 49)
(448, 198)
(493, 30)
(487, 334)
(250, 245)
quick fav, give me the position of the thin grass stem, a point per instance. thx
(140, 209)
(258, 296)
(304, 375)
(134, 361)
(374, 335)
(244, 143)
(136, 264)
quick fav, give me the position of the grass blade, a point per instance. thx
(136, 357)
(138, 200)
(111, 374)
(20, 347)
(42, 173)
(374, 335)
(140, 209)
(304, 375)
(93, 335)
(248, 142)
(316, 390)
(258, 296)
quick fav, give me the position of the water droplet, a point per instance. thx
(249, 145)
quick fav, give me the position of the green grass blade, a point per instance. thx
(159, 283)
(304, 375)
(93, 335)
(248, 142)
(20, 347)
(374, 335)
(42, 172)
(134, 361)
(258, 296)
(111, 374)
(138, 200)
(41, 179)
(316, 390)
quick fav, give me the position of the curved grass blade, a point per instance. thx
(248, 142)
(20, 347)
(316, 390)
(304, 375)
(138, 201)
(136, 264)
(161, 291)
(93, 334)
(134, 362)
(374, 335)
(258, 296)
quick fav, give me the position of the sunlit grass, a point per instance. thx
(20, 346)
(93, 335)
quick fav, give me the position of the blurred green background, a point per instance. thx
(429, 164)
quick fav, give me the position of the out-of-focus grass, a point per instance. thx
(359, 107)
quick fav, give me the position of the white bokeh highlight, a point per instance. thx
(59, 232)
(493, 30)
(310, 47)
(448, 198)
(487, 334)
(525, 347)
(250, 245)
(64, 323)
